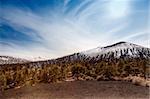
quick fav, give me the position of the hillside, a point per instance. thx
(118, 50)
(120, 61)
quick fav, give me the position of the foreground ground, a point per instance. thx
(79, 90)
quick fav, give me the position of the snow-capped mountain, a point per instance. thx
(121, 49)
(11, 60)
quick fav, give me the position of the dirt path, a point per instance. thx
(79, 90)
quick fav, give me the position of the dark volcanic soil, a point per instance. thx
(79, 90)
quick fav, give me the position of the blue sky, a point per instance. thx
(53, 28)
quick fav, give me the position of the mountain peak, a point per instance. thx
(122, 43)
(119, 49)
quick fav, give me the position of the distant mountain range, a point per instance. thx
(118, 50)
(12, 60)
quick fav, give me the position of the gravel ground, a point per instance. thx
(79, 90)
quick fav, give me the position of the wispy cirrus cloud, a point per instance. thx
(62, 28)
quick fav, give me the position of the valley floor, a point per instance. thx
(79, 90)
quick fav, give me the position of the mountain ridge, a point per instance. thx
(117, 50)
(12, 60)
